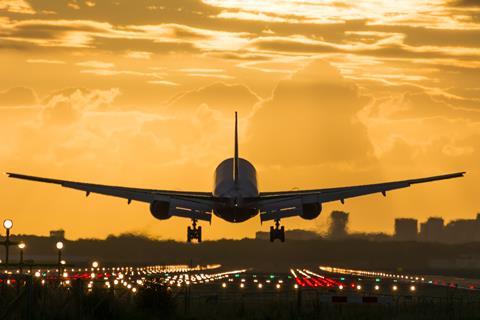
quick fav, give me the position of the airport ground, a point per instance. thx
(142, 278)
(216, 292)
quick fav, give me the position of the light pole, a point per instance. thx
(7, 224)
(21, 246)
(59, 246)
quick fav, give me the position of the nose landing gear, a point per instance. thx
(277, 232)
(194, 232)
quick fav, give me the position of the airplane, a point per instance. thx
(236, 197)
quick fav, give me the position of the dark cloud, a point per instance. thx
(465, 3)
(48, 30)
(238, 55)
(85, 33)
(293, 45)
(390, 50)
(123, 44)
(124, 12)
(443, 37)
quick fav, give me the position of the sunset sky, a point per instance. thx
(329, 93)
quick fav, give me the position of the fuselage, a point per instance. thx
(235, 194)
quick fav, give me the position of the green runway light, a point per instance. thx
(377, 279)
(272, 276)
(342, 279)
(289, 277)
(237, 275)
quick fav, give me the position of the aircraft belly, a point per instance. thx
(235, 214)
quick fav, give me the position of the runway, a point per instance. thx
(330, 284)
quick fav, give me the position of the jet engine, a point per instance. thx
(311, 210)
(160, 209)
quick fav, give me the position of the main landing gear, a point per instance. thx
(277, 232)
(194, 232)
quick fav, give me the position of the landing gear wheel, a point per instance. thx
(189, 234)
(194, 233)
(277, 232)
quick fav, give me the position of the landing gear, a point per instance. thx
(277, 232)
(193, 232)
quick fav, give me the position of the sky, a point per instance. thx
(329, 93)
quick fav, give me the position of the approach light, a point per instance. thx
(377, 287)
(7, 224)
(394, 288)
(359, 287)
(412, 288)
(21, 245)
(340, 287)
(59, 245)
(95, 264)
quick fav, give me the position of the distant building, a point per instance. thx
(432, 230)
(57, 234)
(463, 230)
(338, 225)
(406, 229)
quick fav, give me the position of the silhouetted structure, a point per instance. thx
(406, 229)
(456, 231)
(463, 230)
(338, 225)
(57, 234)
(432, 230)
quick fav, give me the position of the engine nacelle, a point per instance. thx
(311, 210)
(160, 209)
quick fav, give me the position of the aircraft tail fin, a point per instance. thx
(235, 159)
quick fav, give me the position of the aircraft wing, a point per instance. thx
(200, 202)
(276, 205)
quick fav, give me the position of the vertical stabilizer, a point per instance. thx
(235, 159)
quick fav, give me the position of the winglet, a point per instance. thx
(235, 159)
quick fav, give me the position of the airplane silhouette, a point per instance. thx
(235, 197)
